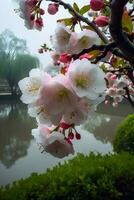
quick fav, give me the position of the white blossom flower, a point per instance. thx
(83, 40)
(42, 115)
(30, 86)
(57, 96)
(60, 40)
(79, 113)
(53, 143)
(86, 79)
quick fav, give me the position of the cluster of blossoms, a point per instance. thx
(65, 100)
(32, 14)
(66, 41)
(60, 101)
(117, 88)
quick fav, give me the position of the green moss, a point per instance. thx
(93, 177)
(124, 139)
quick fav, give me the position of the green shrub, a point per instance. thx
(93, 177)
(124, 138)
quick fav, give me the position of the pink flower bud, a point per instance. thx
(96, 5)
(31, 2)
(52, 8)
(68, 140)
(113, 77)
(41, 11)
(108, 75)
(65, 58)
(39, 23)
(102, 21)
(32, 17)
(40, 50)
(71, 135)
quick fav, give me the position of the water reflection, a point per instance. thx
(15, 128)
(19, 154)
(103, 126)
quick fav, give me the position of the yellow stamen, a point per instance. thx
(62, 95)
(33, 88)
(82, 81)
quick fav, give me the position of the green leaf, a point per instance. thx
(75, 6)
(88, 28)
(127, 22)
(93, 54)
(84, 9)
(67, 21)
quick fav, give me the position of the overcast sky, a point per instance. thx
(10, 20)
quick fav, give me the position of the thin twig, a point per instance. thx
(105, 51)
(103, 47)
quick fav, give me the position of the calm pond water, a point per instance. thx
(19, 153)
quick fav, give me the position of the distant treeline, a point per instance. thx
(15, 62)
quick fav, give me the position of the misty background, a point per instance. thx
(34, 38)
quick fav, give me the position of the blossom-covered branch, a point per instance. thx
(91, 67)
(82, 18)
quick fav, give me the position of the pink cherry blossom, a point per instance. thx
(30, 86)
(79, 113)
(42, 115)
(57, 96)
(53, 142)
(82, 40)
(26, 8)
(32, 17)
(86, 79)
(60, 40)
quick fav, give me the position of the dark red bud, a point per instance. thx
(32, 17)
(40, 50)
(78, 136)
(71, 135)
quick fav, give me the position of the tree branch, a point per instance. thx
(105, 48)
(95, 47)
(120, 38)
(82, 18)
